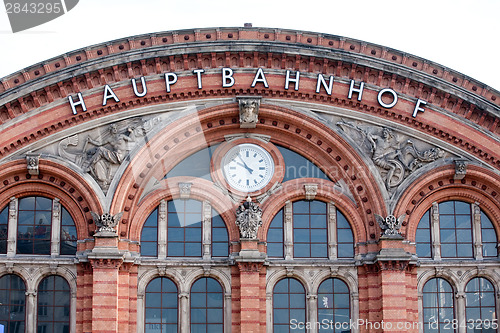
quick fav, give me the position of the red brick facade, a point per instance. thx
(108, 277)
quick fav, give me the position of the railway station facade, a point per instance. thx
(248, 180)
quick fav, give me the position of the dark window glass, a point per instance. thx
(34, 225)
(12, 303)
(297, 166)
(455, 222)
(68, 233)
(220, 239)
(437, 305)
(53, 305)
(310, 236)
(4, 226)
(334, 303)
(149, 235)
(195, 165)
(345, 239)
(480, 305)
(275, 236)
(289, 302)
(488, 237)
(423, 237)
(207, 306)
(184, 228)
(161, 306)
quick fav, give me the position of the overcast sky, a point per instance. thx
(462, 35)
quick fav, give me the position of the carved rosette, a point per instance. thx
(249, 219)
(249, 111)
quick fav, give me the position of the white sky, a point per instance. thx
(460, 34)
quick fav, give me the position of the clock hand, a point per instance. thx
(244, 165)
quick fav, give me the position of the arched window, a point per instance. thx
(207, 306)
(34, 225)
(437, 305)
(309, 231)
(220, 239)
(455, 221)
(161, 306)
(184, 237)
(149, 235)
(334, 302)
(12, 303)
(53, 305)
(275, 236)
(4, 229)
(423, 237)
(488, 237)
(289, 302)
(480, 305)
(68, 234)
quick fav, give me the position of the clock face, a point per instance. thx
(247, 167)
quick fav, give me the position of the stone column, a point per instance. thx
(462, 325)
(288, 231)
(476, 232)
(435, 232)
(12, 228)
(31, 310)
(312, 311)
(184, 313)
(162, 230)
(56, 228)
(207, 230)
(332, 231)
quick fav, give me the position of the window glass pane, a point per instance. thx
(195, 165)
(275, 236)
(53, 307)
(161, 303)
(446, 207)
(184, 228)
(149, 235)
(345, 238)
(68, 234)
(207, 305)
(480, 300)
(437, 304)
(297, 166)
(12, 303)
(334, 301)
(488, 237)
(34, 226)
(4, 222)
(289, 302)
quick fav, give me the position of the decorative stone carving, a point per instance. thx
(460, 169)
(106, 223)
(185, 190)
(32, 161)
(390, 225)
(311, 191)
(249, 111)
(394, 154)
(101, 152)
(249, 219)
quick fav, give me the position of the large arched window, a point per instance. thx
(12, 304)
(161, 306)
(318, 230)
(207, 306)
(480, 305)
(289, 303)
(455, 221)
(53, 305)
(437, 305)
(334, 302)
(185, 223)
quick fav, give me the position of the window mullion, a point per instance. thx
(207, 230)
(435, 232)
(332, 232)
(476, 231)
(162, 230)
(288, 231)
(56, 228)
(12, 227)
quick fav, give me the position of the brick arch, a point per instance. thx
(293, 190)
(54, 181)
(479, 185)
(303, 134)
(200, 190)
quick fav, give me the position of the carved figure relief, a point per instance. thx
(249, 111)
(390, 225)
(106, 223)
(395, 156)
(249, 219)
(100, 155)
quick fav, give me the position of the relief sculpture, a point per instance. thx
(395, 156)
(100, 153)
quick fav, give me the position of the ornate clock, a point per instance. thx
(248, 167)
